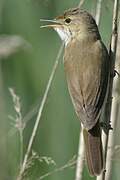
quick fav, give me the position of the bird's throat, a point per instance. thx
(65, 35)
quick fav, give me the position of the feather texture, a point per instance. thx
(85, 71)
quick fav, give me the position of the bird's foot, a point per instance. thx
(106, 126)
(116, 73)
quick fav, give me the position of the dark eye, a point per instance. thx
(68, 20)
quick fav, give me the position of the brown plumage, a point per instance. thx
(86, 63)
(87, 76)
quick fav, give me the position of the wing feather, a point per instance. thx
(87, 77)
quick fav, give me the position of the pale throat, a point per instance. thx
(65, 35)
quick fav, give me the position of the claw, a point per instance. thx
(116, 73)
(106, 127)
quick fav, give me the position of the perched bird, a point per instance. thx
(86, 63)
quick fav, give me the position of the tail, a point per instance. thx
(93, 148)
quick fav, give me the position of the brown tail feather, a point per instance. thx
(93, 148)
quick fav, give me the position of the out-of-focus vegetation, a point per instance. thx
(27, 54)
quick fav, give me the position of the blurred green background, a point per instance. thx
(26, 69)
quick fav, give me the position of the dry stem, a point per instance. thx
(112, 53)
(98, 12)
(81, 3)
(39, 115)
(114, 117)
(81, 157)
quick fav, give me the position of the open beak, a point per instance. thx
(54, 23)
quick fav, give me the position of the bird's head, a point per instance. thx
(73, 23)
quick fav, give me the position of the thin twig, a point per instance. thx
(81, 3)
(98, 12)
(114, 117)
(39, 114)
(112, 55)
(81, 157)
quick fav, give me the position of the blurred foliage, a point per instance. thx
(27, 71)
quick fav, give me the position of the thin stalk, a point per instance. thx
(98, 12)
(114, 117)
(81, 157)
(23, 167)
(81, 3)
(108, 137)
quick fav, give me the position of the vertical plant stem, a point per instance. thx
(81, 3)
(81, 157)
(23, 167)
(113, 119)
(98, 12)
(111, 110)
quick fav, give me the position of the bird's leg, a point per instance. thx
(106, 126)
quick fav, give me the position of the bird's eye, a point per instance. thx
(68, 20)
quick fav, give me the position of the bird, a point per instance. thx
(87, 67)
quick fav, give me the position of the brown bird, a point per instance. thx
(86, 63)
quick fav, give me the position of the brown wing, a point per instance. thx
(87, 77)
